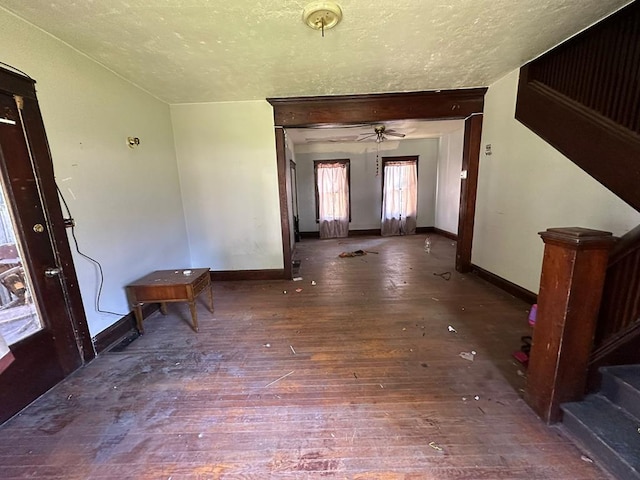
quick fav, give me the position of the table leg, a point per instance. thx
(194, 314)
(211, 298)
(137, 309)
(163, 308)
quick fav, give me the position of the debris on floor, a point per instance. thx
(468, 355)
(444, 275)
(313, 283)
(278, 379)
(292, 350)
(297, 279)
(522, 355)
(533, 313)
(357, 253)
(434, 446)
(584, 458)
(298, 290)
(451, 329)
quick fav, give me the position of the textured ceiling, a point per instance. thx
(186, 51)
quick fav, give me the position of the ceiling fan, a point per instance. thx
(380, 134)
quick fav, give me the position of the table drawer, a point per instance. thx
(201, 283)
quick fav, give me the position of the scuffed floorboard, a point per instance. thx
(356, 377)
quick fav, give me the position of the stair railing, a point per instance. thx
(618, 328)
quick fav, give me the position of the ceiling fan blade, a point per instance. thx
(394, 134)
(366, 137)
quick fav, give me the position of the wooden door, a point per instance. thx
(37, 275)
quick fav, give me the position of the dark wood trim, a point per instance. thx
(15, 84)
(504, 284)
(370, 232)
(622, 349)
(439, 104)
(573, 270)
(444, 233)
(443, 104)
(468, 190)
(583, 136)
(285, 226)
(376, 232)
(232, 275)
(5, 361)
(625, 245)
(69, 281)
(123, 327)
(623, 346)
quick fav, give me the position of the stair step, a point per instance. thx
(621, 385)
(608, 432)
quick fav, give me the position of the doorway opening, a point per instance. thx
(330, 111)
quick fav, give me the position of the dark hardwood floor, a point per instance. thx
(357, 377)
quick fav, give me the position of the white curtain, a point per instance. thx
(333, 199)
(399, 198)
(6, 357)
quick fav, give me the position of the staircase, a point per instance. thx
(607, 423)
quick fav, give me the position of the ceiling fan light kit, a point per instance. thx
(322, 15)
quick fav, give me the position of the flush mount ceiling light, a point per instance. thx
(322, 15)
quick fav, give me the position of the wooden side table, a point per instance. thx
(164, 286)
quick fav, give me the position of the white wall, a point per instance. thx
(448, 191)
(126, 203)
(525, 187)
(228, 172)
(366, 187)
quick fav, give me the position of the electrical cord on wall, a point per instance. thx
(93, 260)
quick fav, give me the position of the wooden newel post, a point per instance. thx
(573, 271)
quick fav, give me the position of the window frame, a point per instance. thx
(344, 161)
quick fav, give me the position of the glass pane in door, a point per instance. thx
(19, 315)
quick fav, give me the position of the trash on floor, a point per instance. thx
(291, 347)
(522, 355)
(357, 253)
(451, 329)
(297, 279)
(298, 290)
(434, 446)
(468, 355)
(445, 275)
(533, 314)
(278, 379)
(313, 283)
(584, 458)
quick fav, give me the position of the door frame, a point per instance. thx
(67, 338)
(467, 104)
